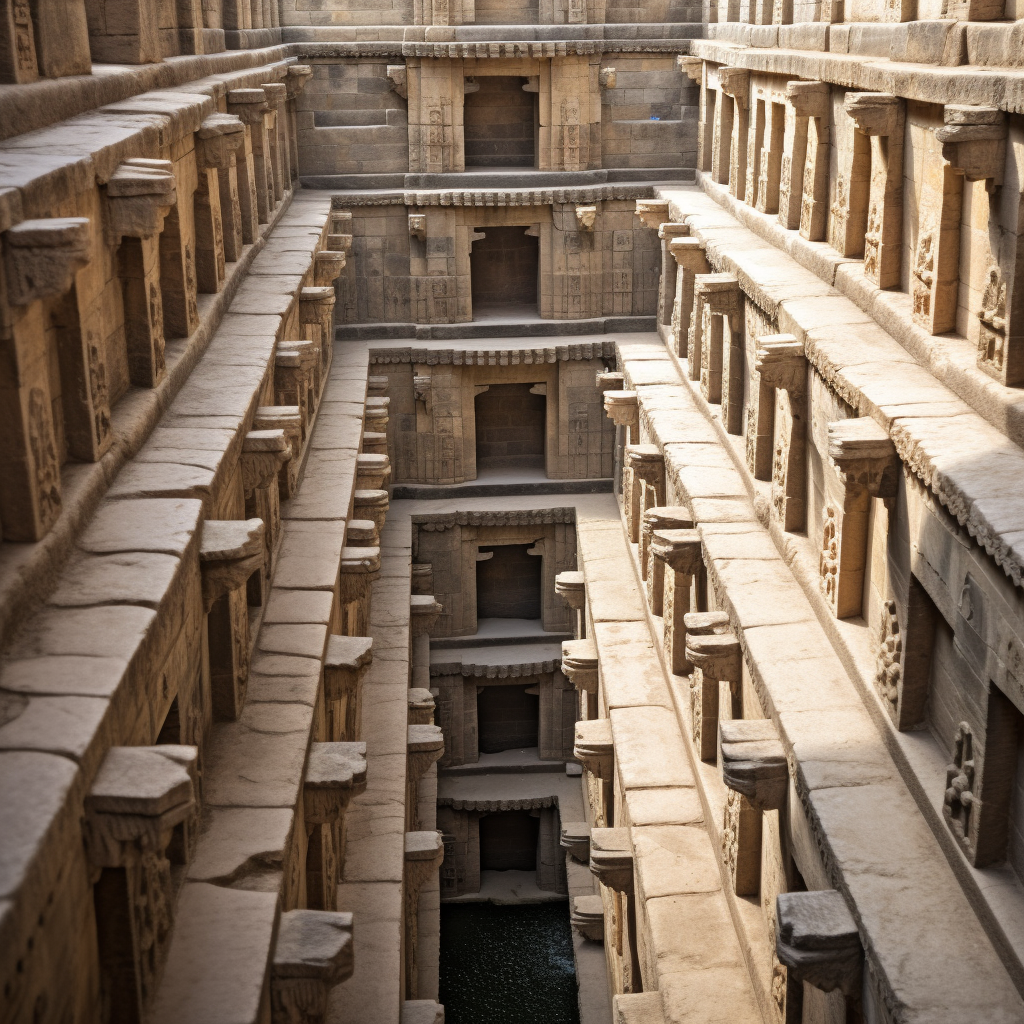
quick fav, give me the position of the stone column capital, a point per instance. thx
(652, 212)
(398, 75)
(718, 655)
(571, 587)
(680, 550)
(218, 139)
(575, 837)
(719, 292)
(808, 99)
(297, 78)
(645, 460)
(623, 407)
(230, 551)
(43, 257)
(579, 664)
(263, 454)
(346, 662)
(327, 266)
(424, 610)
(611, 858)
(688, 252)
(816, 938)
(424, 852)
(335, 772)
(692, 67)
(864, 457)
(781, 362)
(974, 142)
(593, 747)
(425, 746)
(874, 113)
(277, 92)
(312, 955)
(610, 380)
(735, 82)
(248, 104)
(754, 762)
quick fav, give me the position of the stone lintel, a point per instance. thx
(579, 664)
(611, 858)
(593, 747)
(816, 938)
(754, 762)
(718, 656)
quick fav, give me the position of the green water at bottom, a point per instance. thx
(507, 965)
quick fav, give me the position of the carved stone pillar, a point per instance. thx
(667, 283)
(880, 116)
(335, 772)
(217, 211)
(755, 770)
(250, 105)
(803, 196)
(571, 587)
(296, 79)
(295, 366)
(424, 852)
(593, 748)
(316, 313)
(230, 552)
(346, 663)
(425, 747)
(424, 610)
(371, 504)
(721, 367)
(264, 452)
(663, 517)
(865, 463)
(644, 484)
(678, 553)
(289, 419)
(138, 200)
(973, 147)
(816, 939)
(139, 796)
(693, 69)
(313, 954)
(768, 185)
(848, 213)
(359, 568)
(42, 259)
(735, 84)
(580, 667)
(611, 862)
(704, 693)
(690, 260)
(782, 371)
(280, 146)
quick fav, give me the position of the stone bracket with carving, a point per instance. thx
(974, 141)
(593, 747)
(398, 75)
(652, 212)
(43, 257)
(816, 939)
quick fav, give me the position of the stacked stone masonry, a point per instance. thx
(585, 426)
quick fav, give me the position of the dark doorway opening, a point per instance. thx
(508, 841)
(511, 423)
(507, 718)
(498, 122)
(508, 583)
(503, 268)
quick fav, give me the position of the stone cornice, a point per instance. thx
(470, 671)
(504, 50)
(543, 517)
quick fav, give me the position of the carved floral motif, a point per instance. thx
(890, 656)
(958, 802)
(992, 333)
